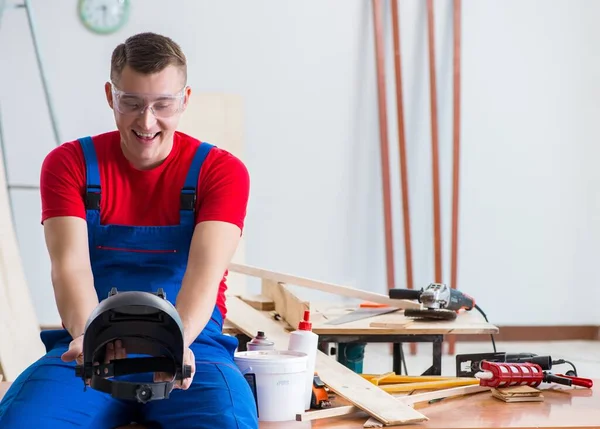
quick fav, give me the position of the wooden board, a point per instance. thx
(259, 302)
(466, 323)
(288, 305)
(20, 343)
(219, 119)
(322, 286)
(340, 379)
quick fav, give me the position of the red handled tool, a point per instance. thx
(502, 374)
(578, 381)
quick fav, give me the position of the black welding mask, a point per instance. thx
(149, 327)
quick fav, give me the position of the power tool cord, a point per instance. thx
(561, 361)
(486, 319)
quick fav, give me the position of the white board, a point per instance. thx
(218, 119)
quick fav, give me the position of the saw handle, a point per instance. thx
(405, 294)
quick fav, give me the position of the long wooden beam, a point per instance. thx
(322, 286)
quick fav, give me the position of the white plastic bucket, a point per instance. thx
(279, 380)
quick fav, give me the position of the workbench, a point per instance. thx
(399, 330)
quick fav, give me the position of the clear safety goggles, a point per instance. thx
(161, 105)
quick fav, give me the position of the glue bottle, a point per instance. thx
(305, 341)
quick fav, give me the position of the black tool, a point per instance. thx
(147, 324)
(440, 301)
(467, 365)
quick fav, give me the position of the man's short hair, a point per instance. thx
(147, 53)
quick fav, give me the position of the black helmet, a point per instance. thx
(147, 324)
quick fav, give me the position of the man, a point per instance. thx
(140, 208)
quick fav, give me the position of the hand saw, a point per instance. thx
(361, 313)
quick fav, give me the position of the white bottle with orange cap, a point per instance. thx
(305, 341)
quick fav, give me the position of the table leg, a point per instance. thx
(436, 367)
(398, 359)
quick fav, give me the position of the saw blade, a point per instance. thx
(361, 313)
(430, 314)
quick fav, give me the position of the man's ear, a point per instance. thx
(186, 97)
(108, 92)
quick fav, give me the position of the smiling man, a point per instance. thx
(140, 208)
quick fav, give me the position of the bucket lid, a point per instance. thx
(269, 357)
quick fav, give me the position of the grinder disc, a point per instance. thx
(430, 314)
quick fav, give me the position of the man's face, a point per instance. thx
(147, 109)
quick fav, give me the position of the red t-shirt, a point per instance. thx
(131, 197)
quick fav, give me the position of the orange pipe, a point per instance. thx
(434, 146)
(456, 152)
(385, 169)
(402, 154)
(402, 146)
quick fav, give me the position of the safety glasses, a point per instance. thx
(161, 105)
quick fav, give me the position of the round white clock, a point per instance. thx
(103, 16)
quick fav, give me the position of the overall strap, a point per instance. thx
(92, 187)
(188, 192)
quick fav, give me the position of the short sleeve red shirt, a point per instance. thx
(131, 196)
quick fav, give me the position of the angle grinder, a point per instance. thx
(440, 301)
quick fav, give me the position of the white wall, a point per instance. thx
(306, 69)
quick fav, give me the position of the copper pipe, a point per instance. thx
(402, 146)
(385, 169)
(434, 146)
(402, 154)
(456, 152)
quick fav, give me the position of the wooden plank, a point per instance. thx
(218, 118)
(288, 305)
(441, 394)
(405, 399)
(259, 302)
(337, 377)
(466, 323)
(322, 286)
(20, 343)
(327, 413)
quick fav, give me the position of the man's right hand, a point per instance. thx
(113, 351)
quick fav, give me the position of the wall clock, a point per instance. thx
(103, 16)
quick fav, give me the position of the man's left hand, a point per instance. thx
(188, 359)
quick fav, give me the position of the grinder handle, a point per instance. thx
(405, 294)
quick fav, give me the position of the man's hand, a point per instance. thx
(75, 351)
(113, 351)
(188, 359)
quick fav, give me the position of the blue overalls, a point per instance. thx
(48, 394)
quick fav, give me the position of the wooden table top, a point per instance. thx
(563, 407)
(396, 323)
(470, 322)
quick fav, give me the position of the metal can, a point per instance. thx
(260, 342)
